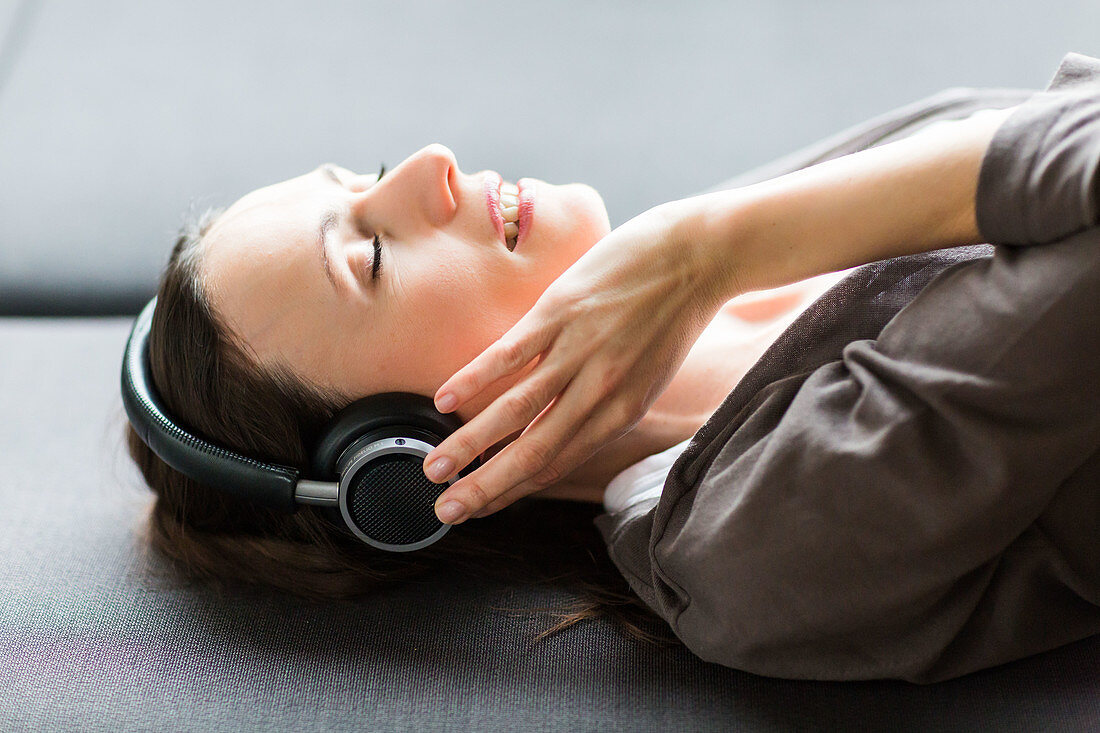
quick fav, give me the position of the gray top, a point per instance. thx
(907, 484)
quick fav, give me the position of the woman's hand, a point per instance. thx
(611, 332)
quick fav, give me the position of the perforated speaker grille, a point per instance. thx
(392, 501)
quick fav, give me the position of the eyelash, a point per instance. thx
(377, 268)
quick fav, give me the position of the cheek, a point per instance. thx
(454, 320)
(458, 311)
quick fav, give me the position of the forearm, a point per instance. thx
(908, 196)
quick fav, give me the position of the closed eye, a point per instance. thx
(329, 171)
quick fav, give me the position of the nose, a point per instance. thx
(420, 186)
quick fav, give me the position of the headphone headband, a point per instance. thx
(257, 481)
(369, 459)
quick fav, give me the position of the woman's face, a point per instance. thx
(448, 286)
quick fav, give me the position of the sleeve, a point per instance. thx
(1038, 180)
(881, 522)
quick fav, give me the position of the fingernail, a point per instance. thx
(440, 468)
(450, 512)
(446, 402)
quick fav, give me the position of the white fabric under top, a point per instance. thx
(642, 480)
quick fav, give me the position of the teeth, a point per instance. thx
(509, 210)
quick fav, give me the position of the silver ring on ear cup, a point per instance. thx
(385, 498)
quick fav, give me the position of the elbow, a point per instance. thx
(840, 630)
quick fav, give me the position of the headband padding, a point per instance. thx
(251, 480)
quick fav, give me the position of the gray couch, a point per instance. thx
(93, 634)
(92, 638)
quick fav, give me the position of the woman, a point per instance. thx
(290, 274)
(281, 306)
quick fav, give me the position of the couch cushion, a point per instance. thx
(93, 637)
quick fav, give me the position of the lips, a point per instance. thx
(525, 201)
(492, 185)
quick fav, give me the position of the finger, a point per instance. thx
(531, 335)
(533, 453)
(506, 499)
(514, 410)
(599, 431)
(473, 496)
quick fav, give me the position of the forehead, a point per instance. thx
(263, 203)
(277, 222)
(261, 255)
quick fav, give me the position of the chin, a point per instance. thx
(591, 215)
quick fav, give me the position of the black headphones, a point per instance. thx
(367, 466)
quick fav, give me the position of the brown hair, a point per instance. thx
(211, 388)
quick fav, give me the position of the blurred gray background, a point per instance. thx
(118, 117)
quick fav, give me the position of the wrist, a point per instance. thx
(711, 229)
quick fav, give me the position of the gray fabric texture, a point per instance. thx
(93, 639)
(907, 484)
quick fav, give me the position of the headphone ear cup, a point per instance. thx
(374, 448)
(390, 414)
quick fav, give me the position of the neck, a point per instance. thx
(734, 340)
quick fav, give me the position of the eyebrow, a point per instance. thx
(328, 221)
